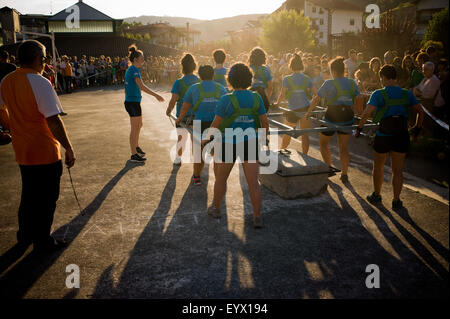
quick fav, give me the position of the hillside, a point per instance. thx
(210, 29)
(175, 21)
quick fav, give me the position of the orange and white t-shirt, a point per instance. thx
(30, 99)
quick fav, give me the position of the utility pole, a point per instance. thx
(187, 35)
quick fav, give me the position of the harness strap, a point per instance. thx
(238, 111)
(203, 95)
(388, 102)
(340, 92)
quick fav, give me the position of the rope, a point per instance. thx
(74, 192)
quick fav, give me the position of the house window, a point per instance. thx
(314, 9)
(320, 10)
(321, 35)
(352, 21)
(321, 21)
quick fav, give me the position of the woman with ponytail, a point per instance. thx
(297, 89)
(133, 87)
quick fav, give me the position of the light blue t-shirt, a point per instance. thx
(257, 78)
(221, 71)
(298, 98)
(206, 109)
(176, 89)
(328, 91)
(225, 110)
(132, 91)
(394, 92)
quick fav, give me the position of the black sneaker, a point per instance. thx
(140, 151)
(397, 204)
(63, 113)
(137, 158)
(374, 199)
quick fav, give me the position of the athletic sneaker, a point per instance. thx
(257, 222)
(397, 204)
(213, 212)
(140, 151)
(137, 158)
(197, 181)
(177, 161)
(374, 198)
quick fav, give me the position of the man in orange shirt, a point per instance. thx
(37, 132)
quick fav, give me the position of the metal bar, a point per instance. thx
(280, 124)
(297, 132)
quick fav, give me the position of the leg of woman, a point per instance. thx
(180, 144)
(198, 167)
(397, 160)
(222, 171)
(139, 130)
(136, 122)
(377, 174)
(324, 149)
(286, 139)
(305, 123)
(343, 152)
(251, 171)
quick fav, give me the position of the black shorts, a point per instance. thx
(133, 108)
(292, 116)
(204, 126)
(187, 120)
(385, 144)
(246, 156)
(331, 133)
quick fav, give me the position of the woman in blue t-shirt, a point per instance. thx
(391, 106)
(242, 111)
(297, 88)
(262, 77)
(179, 89)
(342, 100)
(133, 97)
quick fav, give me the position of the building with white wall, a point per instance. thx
(330, 17)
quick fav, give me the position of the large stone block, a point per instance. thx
(298, 176)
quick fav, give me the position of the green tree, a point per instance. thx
(389, 4)
(147, 37)
(138, 37)
(438, 28)
(286, 30)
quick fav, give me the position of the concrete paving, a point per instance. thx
(144, 232)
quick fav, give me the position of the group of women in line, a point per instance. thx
(238, 98)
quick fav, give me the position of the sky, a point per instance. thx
(199, 9)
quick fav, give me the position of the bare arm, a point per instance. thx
(420, 113)
(56, 126)
(359, 102)
(269, 89)
(172, 103)
(314, 102)
(146, 89)
(282, 95)
(365, 115)
(185, 108)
